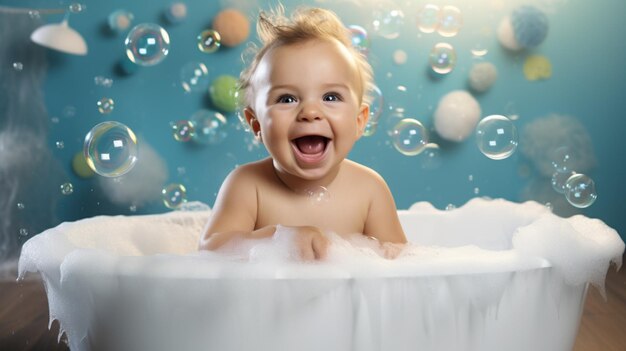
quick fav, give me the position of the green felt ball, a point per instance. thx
(224, 93)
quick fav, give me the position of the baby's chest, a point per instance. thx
(340, 213)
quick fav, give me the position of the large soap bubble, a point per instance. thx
(451, 21)
(110, 149)
(580, 191)
(409, 137)
(496, 137)
(147, 44)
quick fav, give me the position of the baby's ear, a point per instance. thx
(253, 122)
(362, 118)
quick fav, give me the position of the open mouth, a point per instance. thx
(310, 148)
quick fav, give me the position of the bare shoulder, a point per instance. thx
(363, 174)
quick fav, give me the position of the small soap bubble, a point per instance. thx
(470, 178)
(549, 206)
(174, 195)
(450, 207)
(209, 127)
(18, 66)
(182, 130)
(76, 7)
(23, 232)
(120, 20)
(194, 77)
(67, 188)
(428, 18)
(34, 14)
(20, 206)
(105, 105)
(559, 180)
(450, 21)
(103, 81)
(580, 191)
(110, 149)
(209, 41)
(479, 51)
(510, 111)
(409, 137)
(60, 144)
(562, 159)
(132, 208)
(387, 19)
(147, 44)
(318, 195)
(496, 137)
(442, 58)
(476, 191)
(359, 38)
(54, 120)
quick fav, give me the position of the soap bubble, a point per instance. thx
(359, 38)
(60, 144)
(562, 159)
(428, 18)
(370, 129)
(106, 105)
(120, 20)
(209, 127)
(318, 195)
(18, 66)
(76, 7)
(450, 207)
(174, 195)
(103, 81)
(580, 191)
(23, 232)
(209, 41)
(147, 44)
(110, 149)
(20, 206)
(376, 101)
(559, 181)
(496, 137)
(387, 19)
(409, 137)
(451, 21)
(183, 130)
(194, 76)
(67, 188)
(442, 58)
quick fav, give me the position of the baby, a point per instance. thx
(304, 96)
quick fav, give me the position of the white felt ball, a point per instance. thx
(456, 115)
(506, 35)
(482, 76)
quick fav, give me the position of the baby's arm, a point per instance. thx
(234, 213)
(382, 220)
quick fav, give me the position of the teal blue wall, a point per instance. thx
(588, 83)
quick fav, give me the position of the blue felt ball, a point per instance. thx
(530, 26)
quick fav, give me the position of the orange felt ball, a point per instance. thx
(233, 27)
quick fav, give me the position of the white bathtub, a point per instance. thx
(480, 281)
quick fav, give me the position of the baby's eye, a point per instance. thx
(332, 97)
(286, 99)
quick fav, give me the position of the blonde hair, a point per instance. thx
(275, 29)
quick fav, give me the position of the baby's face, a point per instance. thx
(307, 106)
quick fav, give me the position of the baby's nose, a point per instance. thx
(310, 112)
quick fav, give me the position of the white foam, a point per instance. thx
(470, 271)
